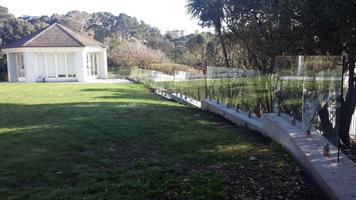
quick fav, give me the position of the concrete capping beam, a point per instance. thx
(336, 180)
(177, 98)
(163, 94)
(185, 100)
(240, 118)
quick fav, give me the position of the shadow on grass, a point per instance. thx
(137, 150)
(47, 146)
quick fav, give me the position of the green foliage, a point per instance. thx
(3, 68)
(265, 29)
(210, 13)
(199, 50)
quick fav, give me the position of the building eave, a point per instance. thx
(53, 49)
(42, 49)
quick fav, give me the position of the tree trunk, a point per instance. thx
(325, 125)
(348, 104)
(203, 57)
(218, 29)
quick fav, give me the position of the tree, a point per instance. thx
(76, 21)
(329, 27)
(265, 29)
(132, 53)
(210, 13)
(197, 45)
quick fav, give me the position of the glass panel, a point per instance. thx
(308, 87)
(322, 87)
(41, 66)
(89, 64)
(20, 65)
(19, 60)
(95, 64)
(289, 90)
(51, 66)
(61, 67)
(71, 65)
(241, 88)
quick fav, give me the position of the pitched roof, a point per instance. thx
(55, 35)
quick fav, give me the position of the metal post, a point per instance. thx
(308, 133)
(326, 150)
(198, 94)
(293, 120)
(212, 93)
(206, 83)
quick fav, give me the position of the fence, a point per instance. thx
(305, 88)
(185, 83)
(304, 91)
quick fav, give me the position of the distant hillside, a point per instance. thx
(99, 25)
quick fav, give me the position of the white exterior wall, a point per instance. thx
(80, 60)
(104, 66)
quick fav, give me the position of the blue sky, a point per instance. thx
(164, 14)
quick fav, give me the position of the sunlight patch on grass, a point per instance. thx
(25, 129)
(240, 148)
(235, 148)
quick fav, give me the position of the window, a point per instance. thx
(92, 64)
(41, 65)
(89, 64)
(19, 61)
(20, 65)
(70, 65)
(95, 68)
(51, 66)
(61, 66)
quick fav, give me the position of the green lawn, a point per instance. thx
(112, 141)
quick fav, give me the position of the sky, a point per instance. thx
(163, 14)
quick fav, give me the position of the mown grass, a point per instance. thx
(118, 141)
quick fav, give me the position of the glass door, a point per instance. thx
(20, 66)
(92, 65)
